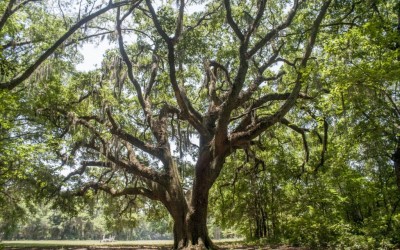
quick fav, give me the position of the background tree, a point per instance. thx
(365, 76)
(31, 53)
(25, 173)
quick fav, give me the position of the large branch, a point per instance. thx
(114, 192)
(277, 97)
(28, 72)
(202, 19)
(153, 75)
(245, 96)
(231, 100)
(229, 104)
(123, 135)
(156, 127)
(129, 65)
(157, 23)
(153, 191)
(84, 121)
(179, 21)
(7, 13)
(14, 44)
(258, 104)
(85, 165)
(257, 19)
(132, 166)
(136, 142)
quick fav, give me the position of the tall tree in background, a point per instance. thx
(23, 172)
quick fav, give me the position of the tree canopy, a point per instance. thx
(227, 109)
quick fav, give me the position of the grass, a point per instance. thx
(95, 244)
(80, 243)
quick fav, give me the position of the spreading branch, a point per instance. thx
(257, 19)
(206, 16)
(157, 23)
(245, 96)
(123, 135)
(128, 63)
(179, 22)
(114, 192)
(132, 166)
(85, 165)
(249, 120)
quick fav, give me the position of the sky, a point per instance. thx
(93, 54)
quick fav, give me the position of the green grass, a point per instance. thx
(80, 243)
(93, 243)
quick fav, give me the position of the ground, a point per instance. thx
(121, 245)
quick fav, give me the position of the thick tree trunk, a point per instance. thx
(197, 221)
(190, 227)
(190, 212)
(191, 234)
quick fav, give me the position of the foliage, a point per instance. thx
(347, 195)
(44, 223)
(282, 115)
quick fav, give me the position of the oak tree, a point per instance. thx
(188, 84)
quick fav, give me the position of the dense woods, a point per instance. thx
(273, 120)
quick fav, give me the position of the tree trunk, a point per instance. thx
(189, 211)
(190, 227)
(197, 221)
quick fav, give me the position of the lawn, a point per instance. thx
(120, 245)
(85, 244)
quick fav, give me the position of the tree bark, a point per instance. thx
(190, 224)
(190, 211)
(192, 235)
